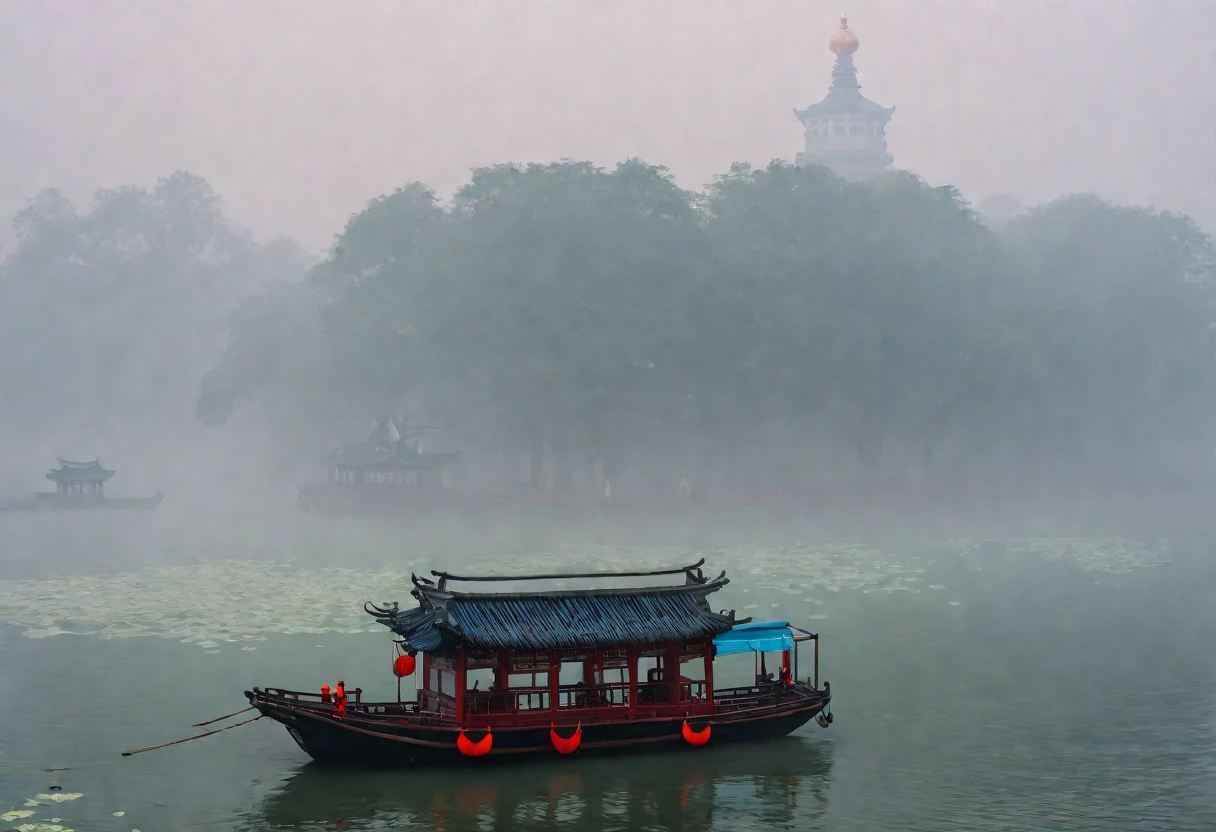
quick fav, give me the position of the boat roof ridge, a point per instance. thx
(448, 576)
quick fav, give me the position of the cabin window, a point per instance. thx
(652, 680)
(530, 691)
(368, 476)
(480, 679)
(692, 679)
(411, 478)
(591, 679)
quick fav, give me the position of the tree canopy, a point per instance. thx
(110, 316)
(782, 327)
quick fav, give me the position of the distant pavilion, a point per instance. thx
(387, 460)
(82, 478)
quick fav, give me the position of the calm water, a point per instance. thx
(1044, 697)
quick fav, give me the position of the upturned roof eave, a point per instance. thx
(841, 105)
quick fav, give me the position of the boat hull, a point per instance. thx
(58, 502)
(385, 742)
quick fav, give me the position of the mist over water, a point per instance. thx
(982, 683)
(955, 416)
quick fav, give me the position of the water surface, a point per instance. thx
(1011, 687)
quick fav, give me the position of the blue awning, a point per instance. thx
(756, 637)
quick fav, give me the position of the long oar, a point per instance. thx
(221, 718)
(187, 739)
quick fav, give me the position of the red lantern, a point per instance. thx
(474, 749)
(403, 666)
(566, 745)
(695, 737)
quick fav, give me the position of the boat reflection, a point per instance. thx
(777, 784)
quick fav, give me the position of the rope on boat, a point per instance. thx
(187, 739)
(221, 718)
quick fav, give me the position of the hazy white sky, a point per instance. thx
(299, 111)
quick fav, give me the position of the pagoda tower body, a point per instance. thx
(845, 131)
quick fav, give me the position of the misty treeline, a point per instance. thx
(109, 317)
(783, 328)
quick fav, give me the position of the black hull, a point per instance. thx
(354, 741)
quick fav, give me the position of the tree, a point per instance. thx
(742, 335)
(109, 318)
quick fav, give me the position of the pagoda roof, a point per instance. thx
(69, 471)
(844, 96)
(386, 445)
(536, 619)
(844, 102)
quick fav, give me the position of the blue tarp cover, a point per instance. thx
(756, 637)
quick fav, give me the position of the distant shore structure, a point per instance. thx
(388, 459)
(85, 479)
(845, 131)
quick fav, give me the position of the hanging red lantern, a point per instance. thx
(474, 749)
(403, 666)
(695, 737)
(566, 745)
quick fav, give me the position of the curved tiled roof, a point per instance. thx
(546, 620)
(79, 472)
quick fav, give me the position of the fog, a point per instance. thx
(300, 301)
(1021, 311)
(300, 113)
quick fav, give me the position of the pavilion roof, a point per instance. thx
(386, 447)
(69, 471)
(538, 619)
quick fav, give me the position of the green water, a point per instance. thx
(1024, 693)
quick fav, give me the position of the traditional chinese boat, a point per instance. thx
(608, 668)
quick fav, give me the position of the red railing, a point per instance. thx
(608, 701)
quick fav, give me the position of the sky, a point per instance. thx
(300, 111)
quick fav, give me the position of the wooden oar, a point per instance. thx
(219, 718)
(187, 739)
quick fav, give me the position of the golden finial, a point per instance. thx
(844, 42)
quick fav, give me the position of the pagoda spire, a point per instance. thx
(845, 131)
(843, 44)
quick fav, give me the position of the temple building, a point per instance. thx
(386, 460)
(845, 131)
(80, 478)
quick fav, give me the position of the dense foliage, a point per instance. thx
(110, 316)
(785, 327)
